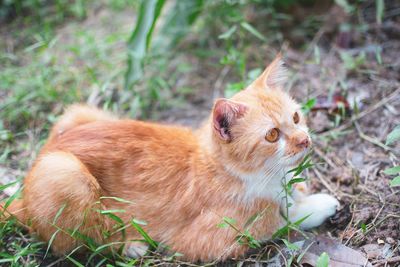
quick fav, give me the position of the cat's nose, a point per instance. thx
(303, 143)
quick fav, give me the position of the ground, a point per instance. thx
(84, 59)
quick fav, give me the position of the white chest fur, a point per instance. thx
(264, 185)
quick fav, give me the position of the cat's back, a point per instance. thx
(122, 133)
(105, 145)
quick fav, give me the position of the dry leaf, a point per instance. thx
(339, 254)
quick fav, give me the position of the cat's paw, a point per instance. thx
(318, 207)
(135, 250)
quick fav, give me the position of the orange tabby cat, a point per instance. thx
(181, 183)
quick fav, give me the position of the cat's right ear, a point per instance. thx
(274, 76)
(225, 114)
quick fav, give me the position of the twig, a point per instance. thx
(306, 54)
(333, 163)
(363, 187)
(220, 80)
(325, 158)
(56, 262)
(348, 227)
(325, 183)
(311, 46)
(371, 139)
(379, 213)
(386, 261)
(374, 226)
(364, 113)
(381, 221)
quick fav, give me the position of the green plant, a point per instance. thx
(140, 40)
(352, 63)
(244, 237)
(380, 9)
(392, 137)
(307, 106)
(323, 260)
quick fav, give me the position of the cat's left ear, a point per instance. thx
(274, 76)
(225, 114)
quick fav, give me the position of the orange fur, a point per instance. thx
(182, 183)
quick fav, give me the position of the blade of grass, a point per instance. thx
(59, 213)
(75, 262)
(380, 8)
(51, 242)
(178, 21)
(139, 42)
(2, 187)
(252, 30)
(117, 199)
(143, 233)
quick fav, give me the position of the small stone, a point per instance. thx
(390, 240)
(380, 241)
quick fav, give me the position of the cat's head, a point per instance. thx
(261, 127)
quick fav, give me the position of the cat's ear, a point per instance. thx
(274, 76)
(225, 114)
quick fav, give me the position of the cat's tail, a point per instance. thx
(79, 114)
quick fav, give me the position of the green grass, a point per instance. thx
(57, 60)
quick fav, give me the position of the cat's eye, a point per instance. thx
(296, 118)
(272, 135)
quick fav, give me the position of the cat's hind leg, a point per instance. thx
(61, 200)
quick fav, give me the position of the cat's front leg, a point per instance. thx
(318, 208)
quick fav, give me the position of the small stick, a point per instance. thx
(325, 158)
(379, 213)
(220, 80)
(386, 261)
(348, 227)
(377, 224)
(364, 113)
(325, 183)
(371, 139)
(56, 262)
(369, 191)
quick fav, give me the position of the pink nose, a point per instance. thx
(304, 143)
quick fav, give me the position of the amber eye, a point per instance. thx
(272, 135)
(296, 118)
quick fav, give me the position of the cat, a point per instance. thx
(181, 183)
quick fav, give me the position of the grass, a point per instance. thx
(52, 64)
(66, 53)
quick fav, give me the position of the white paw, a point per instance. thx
(135, 250)
(318, 207)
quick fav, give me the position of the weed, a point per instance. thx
(323, 260)
(392, 137)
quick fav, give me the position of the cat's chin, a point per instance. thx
(296, 159)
